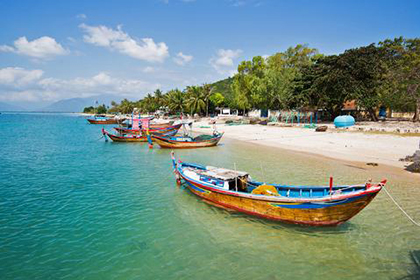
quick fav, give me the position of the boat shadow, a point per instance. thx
(415, 271)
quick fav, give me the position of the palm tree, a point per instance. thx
(149, 103)
(195, 102)
(159, 98)
(126, 106)
(207, 92)
(175, 100)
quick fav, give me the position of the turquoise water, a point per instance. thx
(75, 207)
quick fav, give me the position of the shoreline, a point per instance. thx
(356, 149)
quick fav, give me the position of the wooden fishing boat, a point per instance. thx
(152, 129)
(125, 138)
(136, 137)
(187, 142)
(305, 205)
(101, 119)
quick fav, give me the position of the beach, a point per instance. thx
(381, 147)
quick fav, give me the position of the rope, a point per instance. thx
(393, 200)
(100, 138)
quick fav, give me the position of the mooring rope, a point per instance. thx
(396, 203)
(99, 138)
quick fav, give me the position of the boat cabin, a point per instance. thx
(223, 178)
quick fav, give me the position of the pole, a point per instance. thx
(236, 178)
(331, 184)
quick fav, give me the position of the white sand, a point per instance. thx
(343, 145)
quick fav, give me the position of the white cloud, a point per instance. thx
(182, 59)
(81, 16)
(148, 69)
(223, 61)
(18, 84)
(18, 77)
(117, 40)
(44, 47)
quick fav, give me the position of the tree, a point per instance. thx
(248, 84)
(217, 99)
(89, 110)
(158, 98)
(269, 83)
(196, 102)
(324, 85)
(101, 109)
(366, 72)
(126, 106)
(404, 58)
(175, 99)
(207, 92)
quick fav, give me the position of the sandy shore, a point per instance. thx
(344, 145)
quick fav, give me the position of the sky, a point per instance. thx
(53, 50)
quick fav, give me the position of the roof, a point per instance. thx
(222, 173)
(350, 105)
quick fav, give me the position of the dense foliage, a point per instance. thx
(385, 74)
(101, 109)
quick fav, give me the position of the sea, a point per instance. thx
(73, 206)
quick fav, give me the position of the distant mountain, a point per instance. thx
(10, 107)
(78, 104)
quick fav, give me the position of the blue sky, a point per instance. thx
(51, 50)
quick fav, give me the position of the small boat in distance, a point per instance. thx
(102, 119)
(124, 137)
(152, 128)
(304, 205)
(187, 142)
(142, 137)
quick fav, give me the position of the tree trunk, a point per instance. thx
(372, 114)
(416, 117)
(207, 108)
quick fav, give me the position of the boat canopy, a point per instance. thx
(221, 173)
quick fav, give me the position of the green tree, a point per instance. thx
(89, 110)
(126, 106)
(207, 92)
(404, 58)
(159, 98)
(101, 109)
(324, 85)
(196, 101)
(217, 99)
(175, 100)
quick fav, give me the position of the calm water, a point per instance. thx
(74, 207)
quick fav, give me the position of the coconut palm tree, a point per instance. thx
(159, 99)
(175, 100)
(126, 106)
(195, 102)
(207, 92)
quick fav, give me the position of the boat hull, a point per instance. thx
(327, 213)
(117, 138)
(164, 142)
(109, 121)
